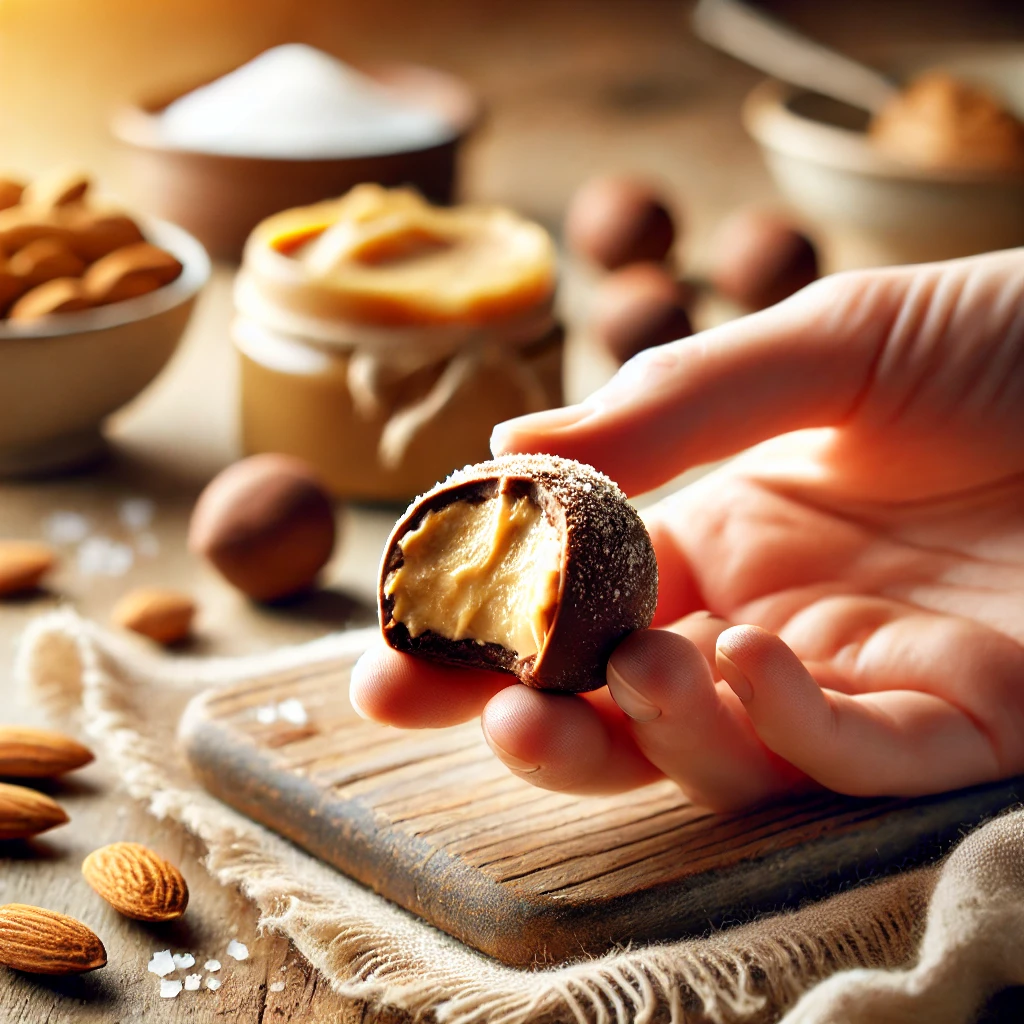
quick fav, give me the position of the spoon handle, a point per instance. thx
(782, 52)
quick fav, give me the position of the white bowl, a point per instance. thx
(62, 375)
(870, 208)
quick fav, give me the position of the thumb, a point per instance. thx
(803, 363)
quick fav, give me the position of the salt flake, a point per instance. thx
(212, 984)
(136, 513)
(101, 556)
(212, 965)
(162, 963)
(277, 986)
(238, 950)
(292, 711)
(192, 982)
(266, 715)
(169, 989)
(183, 960)
(64, 527)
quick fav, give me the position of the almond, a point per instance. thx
(57, 188)
(23, 564)
(163, 615)
(137, 882)
(128, 272)
(39, 753)
(43, 260)
(60, 295)
(41, 941)
(10, 193)
(24, 812)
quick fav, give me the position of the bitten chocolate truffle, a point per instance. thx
(528, 564)
(760, 258)
(616, 220)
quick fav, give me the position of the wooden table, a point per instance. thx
(572, 87)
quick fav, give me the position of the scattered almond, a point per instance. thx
(23, 564)
(163, 615)
(61, 295)
(137, 882)
(39, 753)
(41, 941)
(25, 812)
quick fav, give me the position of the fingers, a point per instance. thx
(803, 363)
(695, 732)
(563, 742)
(398, 689)
(892, 743)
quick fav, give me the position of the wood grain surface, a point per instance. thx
(434, 822)
(571, 87)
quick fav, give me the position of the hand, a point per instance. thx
(871, 544)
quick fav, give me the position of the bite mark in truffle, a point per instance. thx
(528, 564)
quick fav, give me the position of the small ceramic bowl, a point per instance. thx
(62, 375)
(870, 208)
(221, 198)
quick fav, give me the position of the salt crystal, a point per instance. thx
(169, 989)
(183, 960)
(192, 982)
(212, 984)
(238, 950)
(292, 711)
(284, 967)
(212, 965)
(136, 513)
(296, 102)
(101, 556)
(162, 963)
(277, 986)
(65, 527)
(267, 714)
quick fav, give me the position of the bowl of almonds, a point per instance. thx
(93, 303)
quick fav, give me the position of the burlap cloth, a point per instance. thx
(926, 945)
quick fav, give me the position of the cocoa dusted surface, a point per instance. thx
(609, 584)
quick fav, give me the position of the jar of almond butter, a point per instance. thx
(381, 338)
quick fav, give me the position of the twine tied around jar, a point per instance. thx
(380, 359)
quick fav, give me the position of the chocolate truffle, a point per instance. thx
(266, 523)
(639, 307)
(528, 564)
(760, 258)
(614, 221)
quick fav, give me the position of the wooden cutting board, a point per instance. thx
(432, 821)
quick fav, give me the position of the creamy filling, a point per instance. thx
(488, 571)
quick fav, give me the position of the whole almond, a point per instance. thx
(23, 564)
(42, 941)
(61, 295)
(95, 233)
(57, 188)
(39, 753)
(43, 260)
(163, 615)
(128, 272)
(25, 812)
(137, 882)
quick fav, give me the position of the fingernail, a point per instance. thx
(738, 682)
(639, 708)
(510, 760)
(536, 422)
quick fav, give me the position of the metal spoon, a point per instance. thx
(782, 52)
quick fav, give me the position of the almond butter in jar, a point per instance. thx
(381, 338)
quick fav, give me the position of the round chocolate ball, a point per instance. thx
(639, 307)
(616, 220)
(266, 524)
(760, 258)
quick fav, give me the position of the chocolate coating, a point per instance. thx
(609, 574)
(614, 221)
(639, 307)
(760, 258)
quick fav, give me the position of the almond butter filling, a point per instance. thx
(488, 571)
